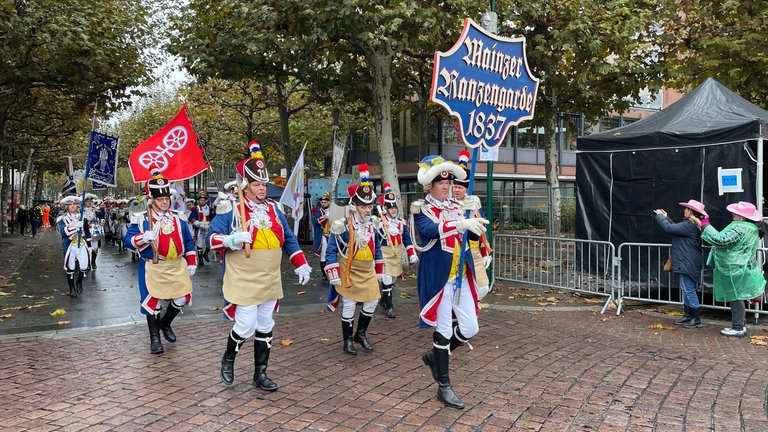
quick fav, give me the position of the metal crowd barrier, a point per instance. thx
(563, 263)
(634, 271)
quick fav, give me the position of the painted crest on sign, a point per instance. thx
(485, 83)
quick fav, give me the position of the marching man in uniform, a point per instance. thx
(201, 220)
(355, 263)
(95, 224)
(396, 240)
(167, 261)
(320, 229)
(252, 236)
(452, 311)
(75, 243)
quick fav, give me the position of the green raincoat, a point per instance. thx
(737, 275)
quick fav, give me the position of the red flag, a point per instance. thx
(173, 152)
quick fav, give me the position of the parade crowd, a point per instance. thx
(363, 253)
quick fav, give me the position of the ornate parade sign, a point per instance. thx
(485, 83)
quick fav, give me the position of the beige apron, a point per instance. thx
(168, 279)
(362, 276)
(255, 280)
(393, 264)
(477, 258)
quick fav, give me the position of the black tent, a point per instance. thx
(669, 157)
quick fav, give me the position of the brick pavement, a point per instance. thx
(532, 369)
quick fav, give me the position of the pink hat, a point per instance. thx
(745, 210)
(695, 206)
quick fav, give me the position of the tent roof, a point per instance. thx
(710, 114)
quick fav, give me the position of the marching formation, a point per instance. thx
(363, 253)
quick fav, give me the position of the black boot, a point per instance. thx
(205, 254)
(261, 359)
(71, 283)
(228, 361)
(200, 260)
(388, 300)
(362, 326)
(93, 259)
(165, 322)
(322, 270)
(686, 316)
(155, 346)
(445, 392)
(695, 321)
(346, 331)
(457, 339)
(79, 282)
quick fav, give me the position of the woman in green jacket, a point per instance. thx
(737, 274)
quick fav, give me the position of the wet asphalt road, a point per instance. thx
(110, 295)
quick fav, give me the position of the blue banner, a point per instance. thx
(70, 187)
(102, 159)
(97, 186)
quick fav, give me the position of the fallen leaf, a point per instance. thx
(656, 326)
(325, 339)
(27, 296)
(6, 316)
(301, 293)
(286, 342)
(63, 322)
(58, 312)
(551, 299)
(215, 307)
(404, 295)
(4, 294)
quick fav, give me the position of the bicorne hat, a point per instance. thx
(362, 194)
(464, 164)
(388, 199)
(158, 186)
(436, 168)
(254, 168)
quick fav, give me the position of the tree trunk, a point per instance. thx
(26, 185)
(549, 102)
(380, 62)
(285, 132)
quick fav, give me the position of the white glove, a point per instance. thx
(471, 203)
(413, 259)
(476, 225)
(235, 241)
(335, 282)
(487, 260)
(78, 224)
(303, 273)
(387, 279)
(196, 224)
(191, 269)
(149, 236)
(482, 292)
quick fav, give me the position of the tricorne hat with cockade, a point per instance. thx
(436, 168)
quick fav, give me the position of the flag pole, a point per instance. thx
(205, 153)
(87, 168)
(465, 236)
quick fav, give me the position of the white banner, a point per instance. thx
(293, 194)
(338, 158)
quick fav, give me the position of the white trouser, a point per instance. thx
(348, 311)
(250, 319)
(323, 248)
(178, 302)
(464, 311)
